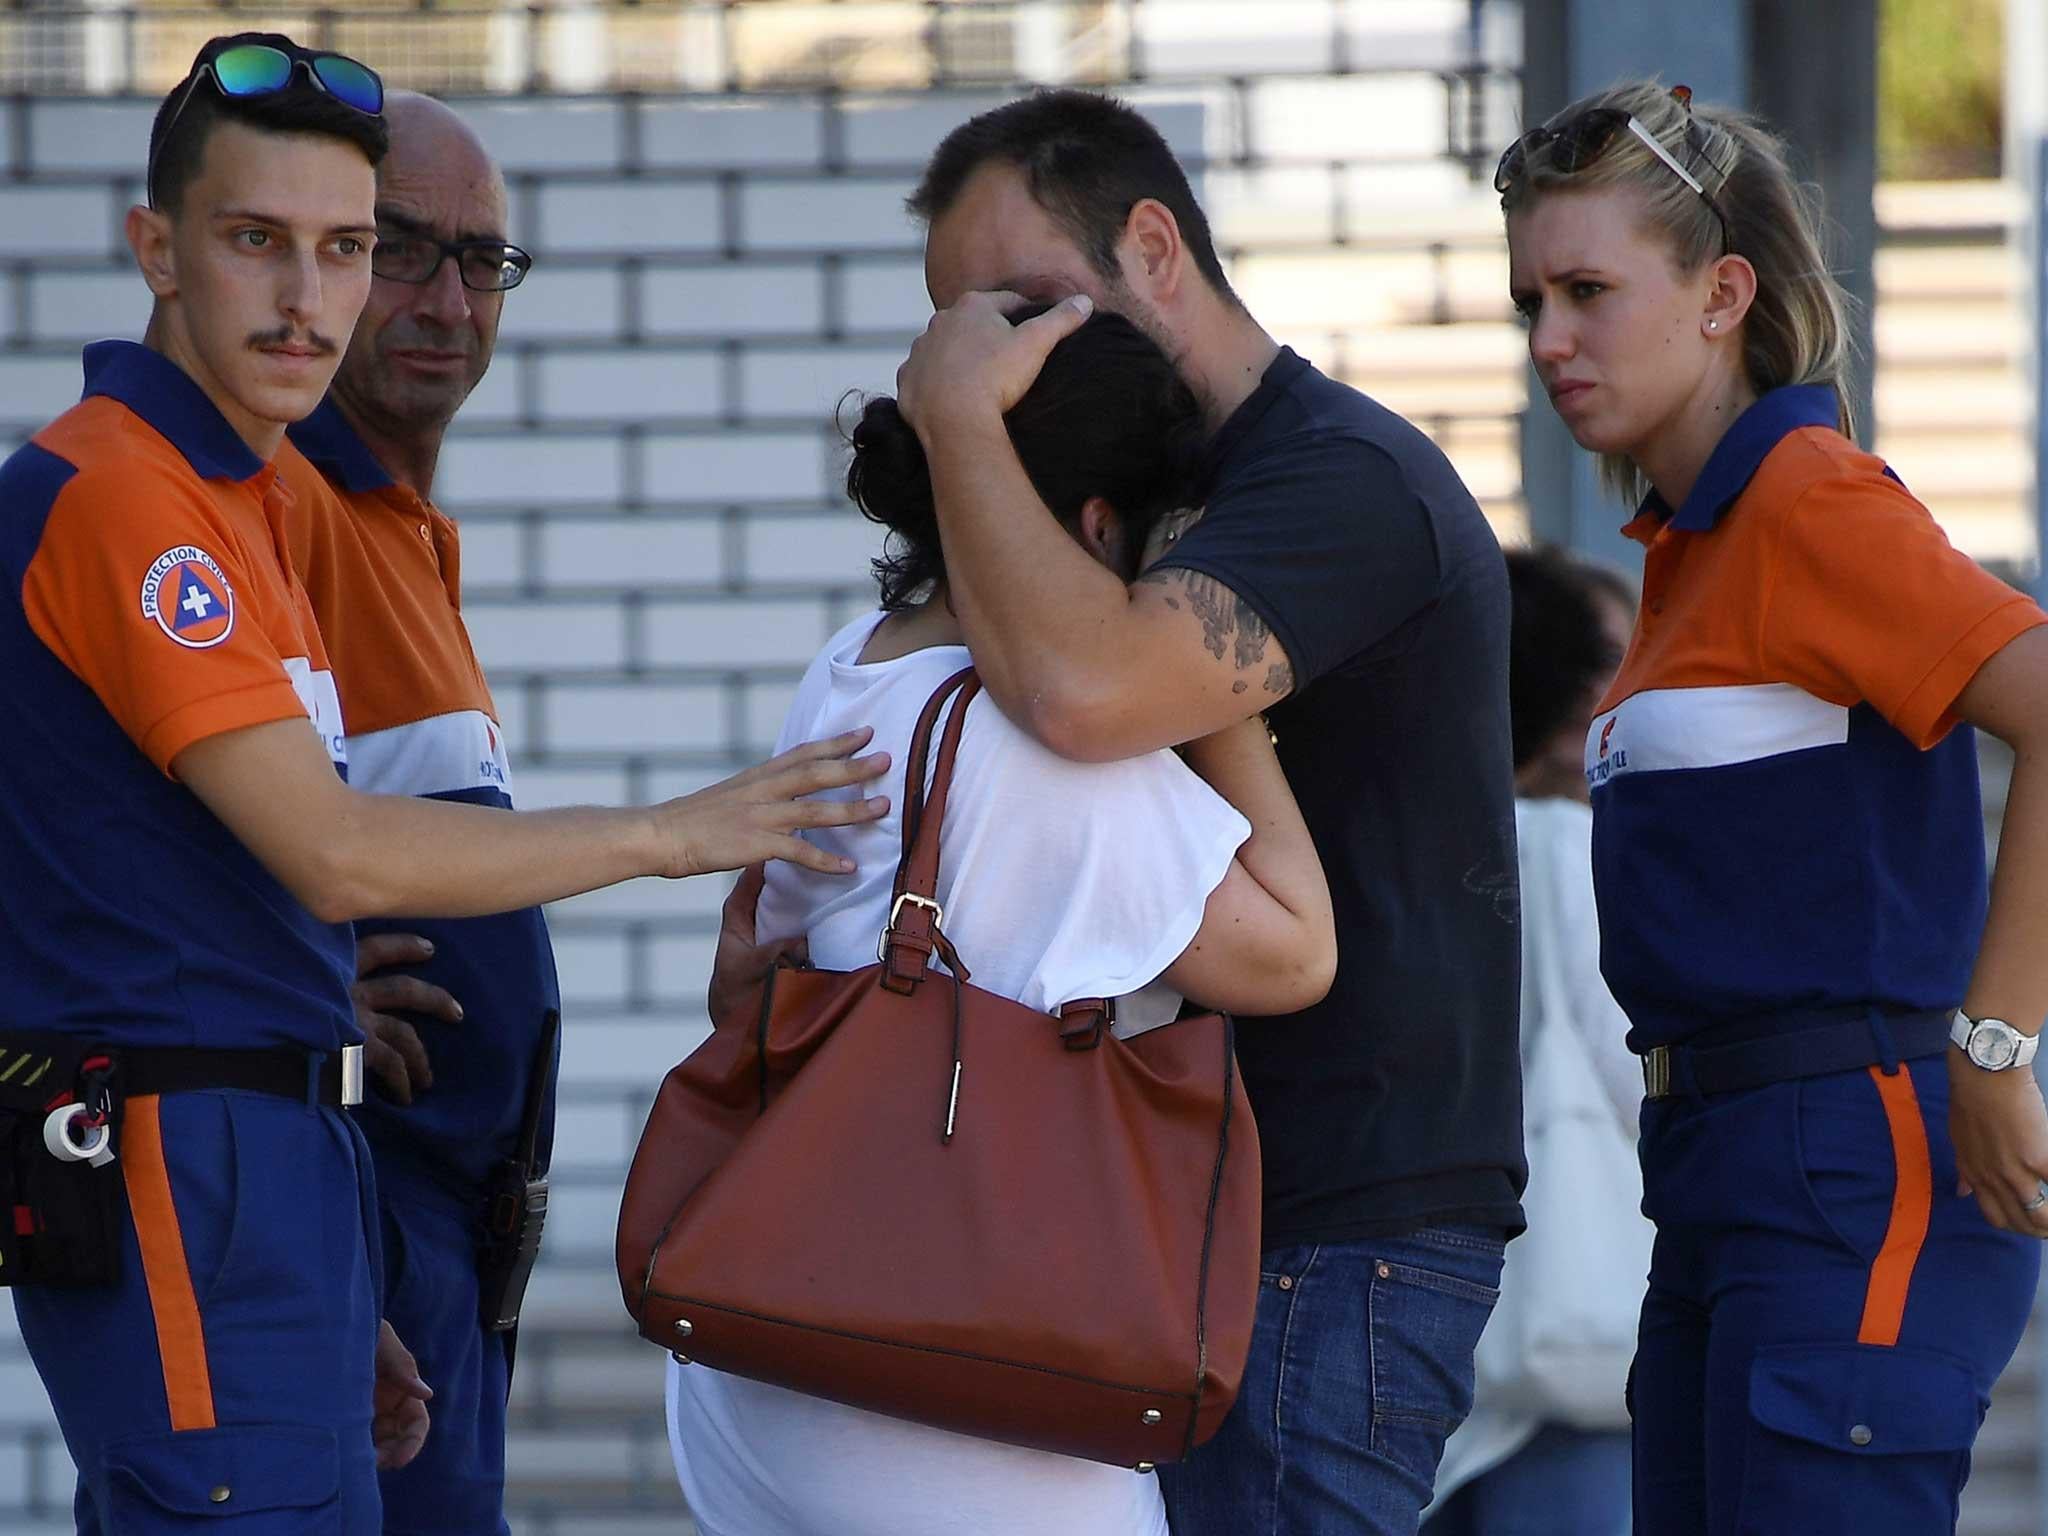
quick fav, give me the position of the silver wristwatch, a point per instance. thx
(1992, 1044)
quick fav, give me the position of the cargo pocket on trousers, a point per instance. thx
(240, 1480)
(1856, 1437)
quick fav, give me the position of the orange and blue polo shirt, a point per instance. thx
(383, 567)
(147, 606)
(1787, 822)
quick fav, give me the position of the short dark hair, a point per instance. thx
(177, 137)
(1088, 159)
(1558, 650)
(1108, 416)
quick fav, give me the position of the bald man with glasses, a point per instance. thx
(461, 1016)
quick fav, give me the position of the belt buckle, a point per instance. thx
(351, 1076)
(1657, 1072)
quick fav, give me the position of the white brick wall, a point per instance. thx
(531, 471)
(762, 299)
(741, 465)
(842, 214)
(74, 222)
(91, 136)
(629, 552)
(545, 135)
(740, 132)
(651, 216)
(640, 385)
(69, 307)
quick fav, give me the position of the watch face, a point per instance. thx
(1991, 1048)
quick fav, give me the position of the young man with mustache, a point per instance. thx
(191, 1245)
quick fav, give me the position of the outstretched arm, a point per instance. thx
(345, 854)
(1093, 669)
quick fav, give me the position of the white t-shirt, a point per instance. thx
(1058, 880)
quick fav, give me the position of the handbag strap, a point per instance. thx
(911, 933)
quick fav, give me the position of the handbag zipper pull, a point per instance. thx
(953, 1100)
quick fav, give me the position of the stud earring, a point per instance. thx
(1713, 325)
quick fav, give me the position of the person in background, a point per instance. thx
(1505, 1471)
(1144, 880)
(1836, 1026)
(460, 1015)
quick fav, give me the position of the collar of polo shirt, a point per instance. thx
(165, 396)
(1737, 457)
(332, 446)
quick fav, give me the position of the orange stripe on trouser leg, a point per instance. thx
(188, 1386)
(1891, 1273)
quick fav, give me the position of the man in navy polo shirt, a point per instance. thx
(1342, 581)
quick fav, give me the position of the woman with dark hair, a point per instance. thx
(1147, 880)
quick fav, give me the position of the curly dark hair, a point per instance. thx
(1109, 416)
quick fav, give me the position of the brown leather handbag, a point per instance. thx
(896, 1190)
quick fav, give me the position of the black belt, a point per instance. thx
(310, 1076)
(1766, 1059)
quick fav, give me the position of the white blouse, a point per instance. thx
(1058, 880)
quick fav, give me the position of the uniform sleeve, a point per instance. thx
(1101, 871)
(1327, 542)
(138, 587)
(1869, 601)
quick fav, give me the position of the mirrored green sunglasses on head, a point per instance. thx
(259, 69)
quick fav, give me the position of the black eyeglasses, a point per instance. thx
(258, 69)
(485, 266)
(1579, 141)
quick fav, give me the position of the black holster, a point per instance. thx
(516, 1204)
(60, 1212)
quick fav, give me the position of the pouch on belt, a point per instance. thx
(61, 1192)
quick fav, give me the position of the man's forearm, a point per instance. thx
(1039, 612)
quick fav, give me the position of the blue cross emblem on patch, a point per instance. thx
(188, 596)
(197, 603)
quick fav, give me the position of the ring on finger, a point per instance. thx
(2040, 1198)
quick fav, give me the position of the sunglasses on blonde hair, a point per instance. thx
(1580, 141)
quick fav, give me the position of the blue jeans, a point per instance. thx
(1565, 1482)
(1361, 1366)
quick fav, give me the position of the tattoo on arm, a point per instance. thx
(1230, 625)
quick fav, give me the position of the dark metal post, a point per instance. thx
(1829, 118)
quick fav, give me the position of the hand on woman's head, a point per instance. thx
(1110, 437)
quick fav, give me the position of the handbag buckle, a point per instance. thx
(1081, 1028)
(906, 898)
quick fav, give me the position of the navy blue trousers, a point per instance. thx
(1826, 1315)
(224, 1381)
(456, 1485)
